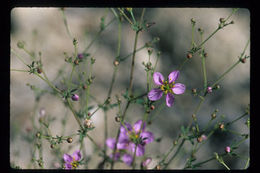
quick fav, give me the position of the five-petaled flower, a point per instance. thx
(168, 87)
(72, 161)
(135, 137)
(130, 138)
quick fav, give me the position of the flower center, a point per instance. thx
(74, 163)
(167, 87)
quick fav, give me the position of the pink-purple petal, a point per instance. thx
(125, 130)
(68, 166)
(127, 159)
(178, 88)
(76, 155)
(147, 137)
(111, 142)
(169, 99)
(67, 158)
(122, 145)
(116, 156)
(158, 78)
(173, 76)
(137, 126)
(139, 149)
(155, 94)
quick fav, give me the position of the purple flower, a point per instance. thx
(72, 161)
(134, 137)
(168, 87)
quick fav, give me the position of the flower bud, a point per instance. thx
(93, 60)
(52, 146)
(227, 149)
(75, 97)
(213, 115)
(175, 142)
(243, 60)
(80, 56)
(42, 112)
(209, 89)
(204, 137)
(194, 90)
(76, 62)
(158, 167)
(199, 139)
(84, 87)
(222, 20)
(152, 107)
(38, 134)
(189, 55)
(20, 44)
(69, 140)
(88, 123)
(39, 70)
(116, 63)
(75, 41)
(221, 126)
(194, 117)
(118, 119)
(193, 21)
(205, 54)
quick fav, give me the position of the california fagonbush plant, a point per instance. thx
(129, 146)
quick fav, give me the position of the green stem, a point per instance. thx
(175, 154)
(97, 35)
(230, 68)
(132, 65)
(66, 23)
(74, 114)
(122, 12)
(18, 56)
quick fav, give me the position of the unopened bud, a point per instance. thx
(39, 70)
(150, 51)
(76, 62)
(158, 167)
(38, 134)
(175, 142)
(194, 117)
(243, 60)
(69, 140)
(209, 89)
(199, 139)
(88, 123)
(118, 119)
(84, 86)
(192, 21)
(222, 20)
(221, 126)
(116, 63)
(227, 149)
(194, 91)
(75, 97)
(152, 107)
(189, 55)
(52, 146)
(20, 44)
(80, 56)
(205, 55)
(213, 115)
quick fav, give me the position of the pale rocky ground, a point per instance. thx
(174, 29)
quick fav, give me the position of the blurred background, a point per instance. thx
(43, 30)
